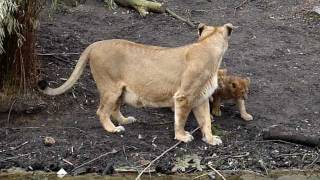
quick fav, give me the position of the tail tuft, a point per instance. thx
(43, 84)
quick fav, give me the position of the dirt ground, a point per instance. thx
(277, 45)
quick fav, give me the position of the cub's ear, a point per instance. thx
(201, 27)
(229, 28)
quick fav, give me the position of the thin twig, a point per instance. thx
(180, 18)
(216, 172)
(19, 146)
(9, 114)
(124, 152)
(162, 154)
(102, 155)
(263, 166)
(68, 162)
(52, 54)
(314, 161)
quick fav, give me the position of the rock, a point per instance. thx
(316, 9)
(49, 141)
(61, 173)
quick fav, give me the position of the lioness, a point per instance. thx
(231, 87)
(142, 75)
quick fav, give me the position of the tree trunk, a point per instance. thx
(18, 63)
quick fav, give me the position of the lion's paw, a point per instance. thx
(214, 140)
(119, 129)
(247, 117)
(187, 137)
(128, 120)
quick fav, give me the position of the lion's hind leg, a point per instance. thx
(108, 103)
(118, 116)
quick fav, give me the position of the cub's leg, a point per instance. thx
(216, 102)
(181, 112)
(242, 108)
(107, 105)
(117, 115)
(202, 114)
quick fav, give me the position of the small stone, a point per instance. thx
(61, 173)
(49, 141)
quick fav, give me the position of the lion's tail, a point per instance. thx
(78, 70)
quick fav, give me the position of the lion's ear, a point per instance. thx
(229, 28)
(201, 27)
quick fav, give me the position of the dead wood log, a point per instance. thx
(145, 6)
(142, 6)
(285, 134)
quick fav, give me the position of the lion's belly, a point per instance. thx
(136, 100)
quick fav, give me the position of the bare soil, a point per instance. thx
(277, 45)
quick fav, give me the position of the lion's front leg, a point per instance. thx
(181, 112)
(243, 112)
(202, 114)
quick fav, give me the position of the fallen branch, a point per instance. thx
(180, 18)
(105, 154)
(239, 6)
(281, 133)
(36, 127)
(162, 154)
(216, 171)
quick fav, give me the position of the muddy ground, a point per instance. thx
(277, 45)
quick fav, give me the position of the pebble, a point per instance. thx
(49, 141)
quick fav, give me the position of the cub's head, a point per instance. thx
(224, 31)
(238, 87)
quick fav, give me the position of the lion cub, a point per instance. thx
(231, 87)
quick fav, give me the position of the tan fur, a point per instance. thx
(231, 87)
(142, 75)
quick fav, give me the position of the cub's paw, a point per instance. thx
(216, 111)
(186, 137)
(118, 129)
(214, 140)
(246, 117)
(128, 120)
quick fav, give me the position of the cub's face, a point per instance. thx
(239, 87)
